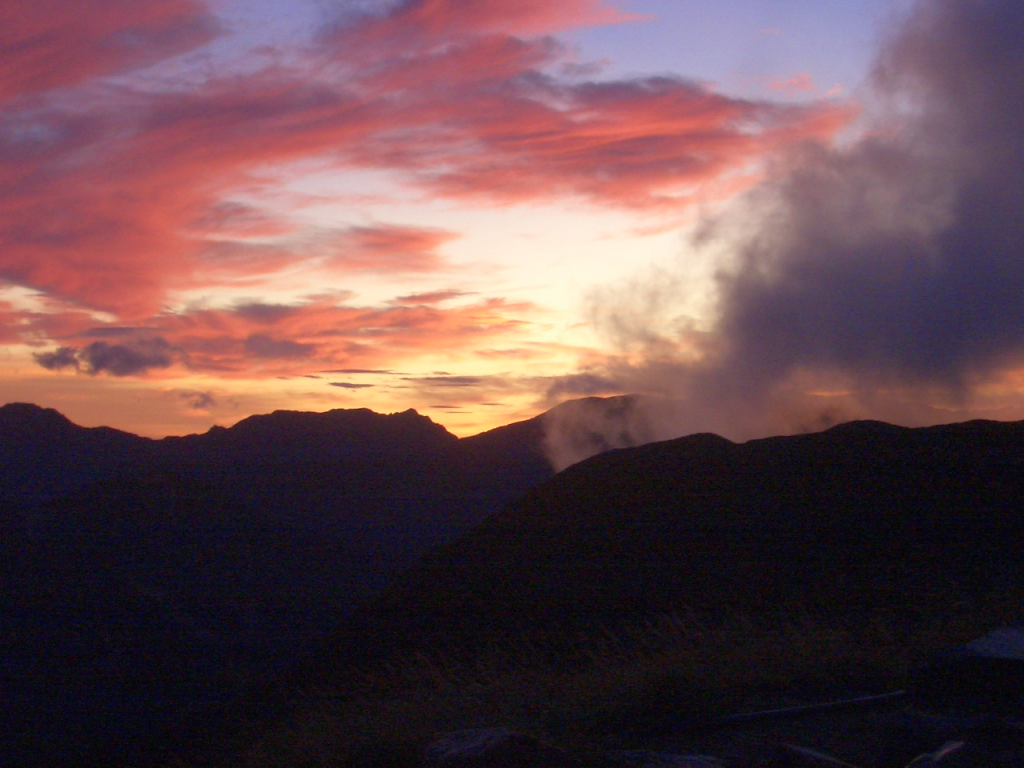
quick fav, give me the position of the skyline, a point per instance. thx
(776, 215)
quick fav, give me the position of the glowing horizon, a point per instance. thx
(221, 208)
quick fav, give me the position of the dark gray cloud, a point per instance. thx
(892, 263)
(117, 331)
(260, 345)
(126, 359)
(265, 313)
(359, 370)
(62, 357)
(900, 259)
(129, 359)
(349, 385)
(446, 380)
(198, 401)
(433, 297)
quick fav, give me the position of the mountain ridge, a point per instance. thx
(43, 454)
(252, 564)
(792, 523)
(148, 581)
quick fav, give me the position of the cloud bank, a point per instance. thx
(883, 278)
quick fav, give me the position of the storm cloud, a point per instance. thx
(902, 258)
(891, 266)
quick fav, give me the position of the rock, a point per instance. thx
(495, 748)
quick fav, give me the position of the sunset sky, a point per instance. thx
(777, 213)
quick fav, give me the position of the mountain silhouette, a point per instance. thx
(860, 520)
(146, 582)
(149, 584)
(291, 436)
(43, 454)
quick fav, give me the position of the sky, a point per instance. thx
(769, 215)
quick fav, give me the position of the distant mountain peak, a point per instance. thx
(14, 415)
(312, 436)
(866, 426)
(338, 418)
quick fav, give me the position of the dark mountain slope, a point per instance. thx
(861, 519)
(293, 436)
(147, 583)
(43, 455)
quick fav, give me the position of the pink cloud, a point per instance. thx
(389, 249)
(238, 220)
(445, 18)
(383, 248)
(12, 324)
(483, 117)
(47, 44)
(801, 82)
(115, 198)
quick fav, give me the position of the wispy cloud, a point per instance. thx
(800, 83)
(432, 297)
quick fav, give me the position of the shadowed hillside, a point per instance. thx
(861, 519)
(147, 583)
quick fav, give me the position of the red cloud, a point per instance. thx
(115, 198)
(644, 144)
(483, 117)
(46, 44)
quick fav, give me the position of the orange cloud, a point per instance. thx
(266, 340)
